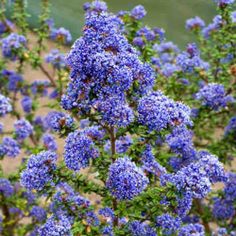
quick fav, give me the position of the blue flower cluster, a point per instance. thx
(223, 3)
(9, 147)
(12, 44)
(61, 35)
(223, 209)
(56, 59)
(27, 103)
(56, 121)
(190, 60)
(195, 23)
(79, 149)
(38, 213)
(6, 188)
(192, 229)
(138, 12)
(23, 129)
(39, 171)
(158, 112)
(150, 164)
(214, 96)
(102, 64)
(56, 227)
(138, 228)
(168, 223)
(126, 180)
(5, 105)
(49, 142)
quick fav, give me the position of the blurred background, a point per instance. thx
(168, 14)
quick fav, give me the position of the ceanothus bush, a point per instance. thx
(124, 133)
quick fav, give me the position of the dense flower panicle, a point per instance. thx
(150, 164)
(115, 113)
(192, 229)
(214, 96)
(23, 129)
(107, 213)
(213, 167)
(39, 171)
(158, 112)
(230, 129)
(6, 188)
(56, 120)
(195, 23)
(27, 103)
(97, 6)
(91, 218)
(122, 144)
(5, 105)
(138, 12)
(56, 59)
(184, 204)
(15, 81)
(223, 209)
(12, 44)
(9, 147)
(212, 27)
(49, 142)
(230, 186)
(94, 132)
(61, 35)
(190, 60)
(168, 223)
(138, 228)
(103, 67)
(38, 213)
(56, 227)
(180, 142)
(126, 180)
(79, 149)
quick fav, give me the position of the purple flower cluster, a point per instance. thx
(168, 223)
(96, 6)
(192, 229)
(79, 149)
(23, 129)
(214, 96)
(150, 164)
(230, 186)
(196, 178)
(39, 87)
(158, 112)
(39, 171)
(180, 142)
(6, 188)
(56, 59)
(190, 60)
(104, 66)
(56, 121)
(38, 213)
(212, 27)
(223, 3)
(223, 209)
(138, 12)
(195, 23)
(49, 142)
(9, 147)
(27, 103)
(61, 35)
(138, 228)
(12, 44)
(126, 180)
(56, 227)
(5, 105)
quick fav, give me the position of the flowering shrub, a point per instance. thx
(137, 133)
